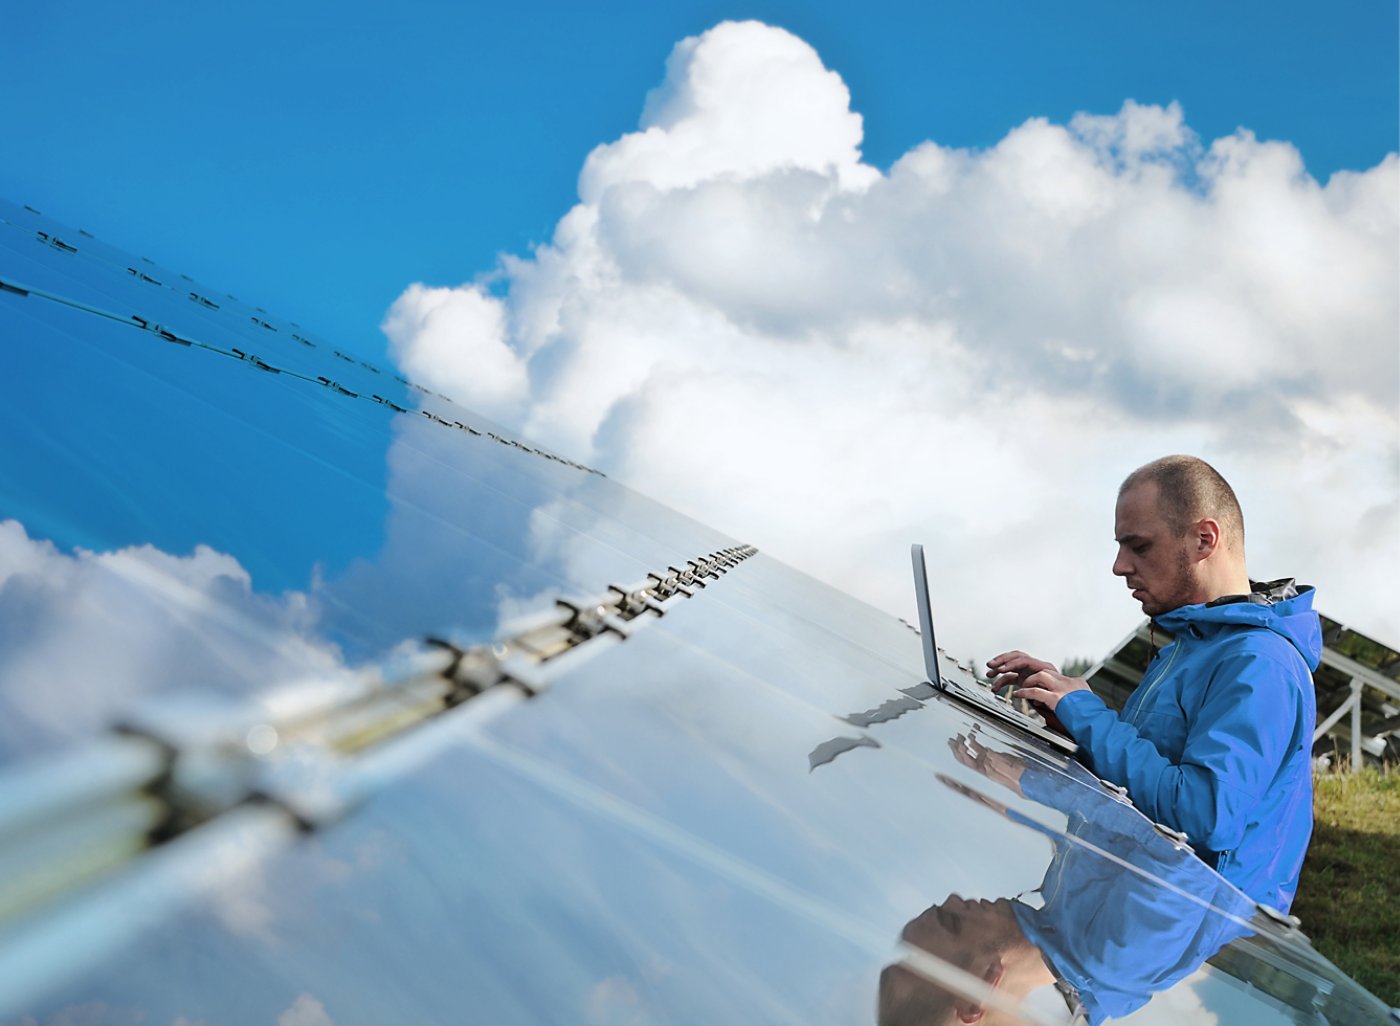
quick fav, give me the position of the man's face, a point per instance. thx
(1156, 563)
(962, 932)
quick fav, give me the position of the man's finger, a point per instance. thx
(1020, 663)
(1049, 680)
(1005, 657)
(1040, 695)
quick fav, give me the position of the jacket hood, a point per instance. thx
(1277, 606)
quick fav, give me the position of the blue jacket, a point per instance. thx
(1216, 741)
(1117, 938)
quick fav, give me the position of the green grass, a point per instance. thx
(1347, 894)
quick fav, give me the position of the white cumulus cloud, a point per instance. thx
(457, 338)
(970, 348)
(740, 102)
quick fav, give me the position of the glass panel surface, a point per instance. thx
(931, 849)
(470, 893)
(839, 614)
(883, 696)
(89, 271)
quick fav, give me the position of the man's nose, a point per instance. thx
(1121, 566)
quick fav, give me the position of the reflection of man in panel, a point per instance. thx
(1216, 740)
(979, 937)
(1094, 941)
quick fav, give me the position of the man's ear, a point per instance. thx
(970, 1011)
(1208, 537)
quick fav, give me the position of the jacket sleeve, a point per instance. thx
(1245, 727)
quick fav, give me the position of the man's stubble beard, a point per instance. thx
(1183, 587)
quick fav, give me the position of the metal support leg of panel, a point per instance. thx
(1356, 687)
(1350, 702)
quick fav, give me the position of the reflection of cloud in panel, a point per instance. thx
(615, 1002)
(305, 1011)
(452, 542)
(744, 319)
(249, 899)
(84, 635)
(571, 548)
(242, 901)
(480, 535)
(1183, 1003)
(552, 545)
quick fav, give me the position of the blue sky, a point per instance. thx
(317, 157)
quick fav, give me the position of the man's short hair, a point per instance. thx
(922, 1002)
(1189, 490)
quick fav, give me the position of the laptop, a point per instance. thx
(982, 698)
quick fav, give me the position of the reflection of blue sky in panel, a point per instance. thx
(134, 440)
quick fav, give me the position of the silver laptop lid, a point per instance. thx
(916, 553)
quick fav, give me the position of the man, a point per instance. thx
(1216, 740)
(1103, 940)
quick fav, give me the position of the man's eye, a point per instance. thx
(1140, 550)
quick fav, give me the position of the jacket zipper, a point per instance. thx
(1176, 650)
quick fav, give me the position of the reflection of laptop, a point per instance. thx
(982, 698)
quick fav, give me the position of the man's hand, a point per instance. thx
(1036, 680)
(1014, 668)
(1004, 769)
